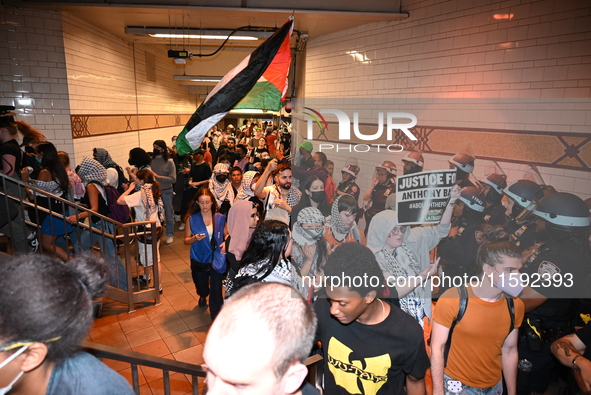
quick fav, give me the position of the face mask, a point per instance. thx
(510, 284)
(221, 178)
(38, 159)
(7, 389)
(157, 152)
(130, 162)
(313, 233)
(317, 196)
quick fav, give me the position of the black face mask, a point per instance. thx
(157, 152)
(221, 178)
(318, 196)
(130, 162)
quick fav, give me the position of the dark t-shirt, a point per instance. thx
(200, 172)
(11, 148)
(370, 359)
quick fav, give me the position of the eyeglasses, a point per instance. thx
(397, 229)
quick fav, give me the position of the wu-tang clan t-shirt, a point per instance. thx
(370, 359)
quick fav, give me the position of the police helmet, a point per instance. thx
(463, 162)
(351, 169)
(473, 198)
(389, 166)
(564, 210)
(523, 192)
(496, 181)
(415, 157)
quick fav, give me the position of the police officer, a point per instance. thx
(520, 194)
(493, 184)
(464, 164)
(556, 283)
(348, 186)
(374, 199)
(413, 163)
(458, 250)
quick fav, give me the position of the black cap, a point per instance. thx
(6, 115)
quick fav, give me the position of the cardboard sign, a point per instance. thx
(421, 198)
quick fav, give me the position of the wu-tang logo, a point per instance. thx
(371, 373)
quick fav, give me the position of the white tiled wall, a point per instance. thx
(453, 64)
(120, 144)
(108, 76)
(33, 72)
(53, 65)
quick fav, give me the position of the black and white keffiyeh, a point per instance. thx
(91, 170)
(221, 191)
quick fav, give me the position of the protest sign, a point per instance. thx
(422, 197)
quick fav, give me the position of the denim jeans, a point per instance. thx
(496, 389)
(83, 240)
(167, 196)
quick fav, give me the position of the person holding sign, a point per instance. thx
(403, 255)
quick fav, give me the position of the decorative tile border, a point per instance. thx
(96, 125)
(551, 149)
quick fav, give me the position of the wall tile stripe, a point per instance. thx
(563, 150)
(95, 125)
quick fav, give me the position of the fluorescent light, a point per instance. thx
(203, 37)
(206, 34)
(197, 78)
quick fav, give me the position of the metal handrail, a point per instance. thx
(121, 290)
(135, 359)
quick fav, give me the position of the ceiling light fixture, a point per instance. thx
(204, 37)
(205, 34)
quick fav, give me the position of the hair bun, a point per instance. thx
(92, 272)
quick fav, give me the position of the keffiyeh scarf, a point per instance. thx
(246, 191)
(91, 170)
(335, 222)
(402, 264)
(221, 191)
(104, 158)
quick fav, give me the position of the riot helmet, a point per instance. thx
(496, 183)
(464, 164)
(413, 162)
(566, 215)
(474, 200)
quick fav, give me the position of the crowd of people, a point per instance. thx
(253, 213)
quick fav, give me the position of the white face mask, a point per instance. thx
(6, 389)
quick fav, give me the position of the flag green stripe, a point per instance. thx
(263, 96)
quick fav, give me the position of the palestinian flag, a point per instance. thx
(258, 82)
